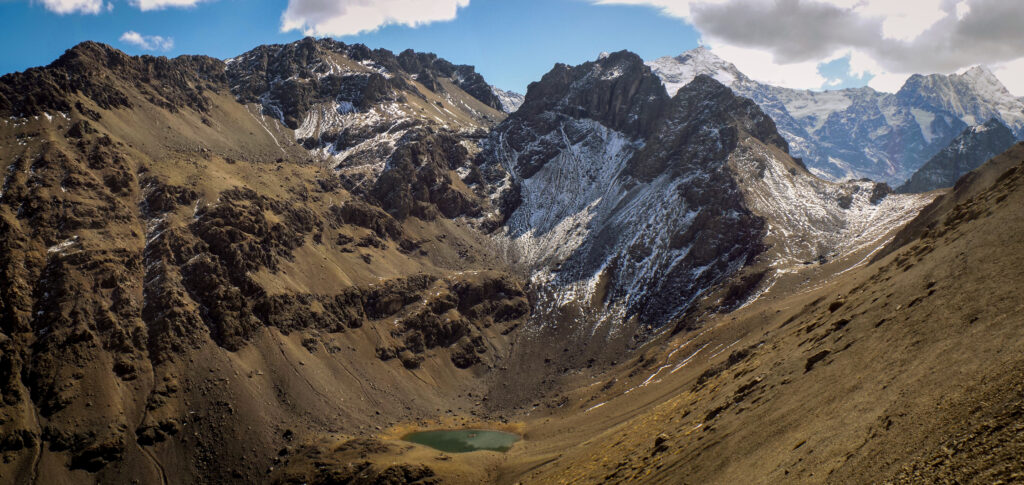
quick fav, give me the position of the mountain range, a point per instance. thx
(271, 268)
(859, 132)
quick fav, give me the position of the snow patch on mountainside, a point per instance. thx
(598, 238)
(924, 120)
(680, 70)
(561, 199)
(814, 108)
(366, 156)
(510, 101)
(810, 218)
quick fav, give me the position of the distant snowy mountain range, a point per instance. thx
(860, 132)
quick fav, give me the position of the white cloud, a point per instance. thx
(901, 20)
(888, 39)
(147, 42)
(1012, 75)
(962, 9)
(759, 65)
(97, 6)
(349, 17)
(64, 7)
(147, 5)
(672, 8)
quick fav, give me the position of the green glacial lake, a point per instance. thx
(464, 440)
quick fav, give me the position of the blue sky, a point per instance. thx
(510, 42)
(811, 44)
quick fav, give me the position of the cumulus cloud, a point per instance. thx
(96, 6)
(147, 42)
(147, 5)
(754, 63)
(64, 7)
(349, 17)
(887, 39)
(1011, 74)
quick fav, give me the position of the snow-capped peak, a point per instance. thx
(678, 71)
(985, 82)
(974, 96)
(980, 73)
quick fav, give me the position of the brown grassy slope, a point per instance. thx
(183, 294)
(968, 186)
(907, 370)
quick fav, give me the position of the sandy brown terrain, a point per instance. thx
(905, 370)
(188, 296)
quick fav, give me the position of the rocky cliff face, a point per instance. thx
(601, 217)
(352, 107)
(88, 70)
(179, 269)
(855, 133)
(966, 152)
(289, 78)
(627, 216)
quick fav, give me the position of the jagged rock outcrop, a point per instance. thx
(86, 70)
(372, 115)
(629, 206)
(463, 76)
(419, 178)
(616, 91)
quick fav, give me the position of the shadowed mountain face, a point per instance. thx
(966, 152)
(209, 266)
